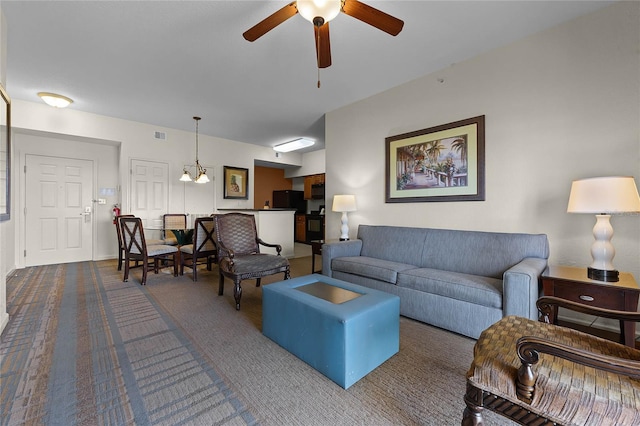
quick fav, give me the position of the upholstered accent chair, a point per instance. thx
(537, 373)
(146, 256)
(239, 256)
(202, 250)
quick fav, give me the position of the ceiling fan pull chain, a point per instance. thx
(318, 22)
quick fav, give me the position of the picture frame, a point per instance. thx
(5, 155)
(236, 183)
(441, 163)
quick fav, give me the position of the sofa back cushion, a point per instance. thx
(397, 244)
(487, 254)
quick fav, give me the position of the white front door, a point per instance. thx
(149, 193)
(59, 210)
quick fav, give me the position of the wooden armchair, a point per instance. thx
(239, 256)
(543, 374)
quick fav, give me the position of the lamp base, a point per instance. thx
(344, 239)
(603, 275)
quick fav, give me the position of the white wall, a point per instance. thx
(313, 163)
(560, 105)
(112, 143)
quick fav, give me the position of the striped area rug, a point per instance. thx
(84, 348)
(80, 351)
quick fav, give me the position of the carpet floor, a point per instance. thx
(84, 348)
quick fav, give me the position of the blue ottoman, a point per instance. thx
(343, 330)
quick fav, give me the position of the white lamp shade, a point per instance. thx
(604, 195)
(344, 203)
(326, 9)
(203, 178)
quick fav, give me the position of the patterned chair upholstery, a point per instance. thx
(579, 379)
(239, 256)
(172, 221)
(136, 249)
(203, 247)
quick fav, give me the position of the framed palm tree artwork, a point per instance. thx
(441, 163)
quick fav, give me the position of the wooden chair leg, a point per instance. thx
(237, 293)
(194, 264)
(257, 282)
(472, 415)
(120, 259)
(221, 285)
(175, 264)
(126, 270)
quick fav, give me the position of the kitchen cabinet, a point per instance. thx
(309, 181)
(300, 228)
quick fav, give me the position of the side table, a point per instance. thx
(573, 284)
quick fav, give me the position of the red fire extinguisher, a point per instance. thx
(116, 212)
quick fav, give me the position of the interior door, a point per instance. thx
(149, 194)
(59, 210)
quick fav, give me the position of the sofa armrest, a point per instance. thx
(338, 249)
(521, 288)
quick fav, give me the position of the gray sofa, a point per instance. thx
(462, 281)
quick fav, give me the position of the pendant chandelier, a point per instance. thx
(200, 172)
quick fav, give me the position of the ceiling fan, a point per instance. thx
(320, 12)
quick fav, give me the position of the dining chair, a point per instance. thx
(172, 221)
(203, 247)
(239, 256)
(120, 240)
(146, 256)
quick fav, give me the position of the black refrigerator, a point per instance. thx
(290, 199)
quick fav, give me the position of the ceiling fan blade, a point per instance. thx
(373, 16)
(323, 46)
(270, 22)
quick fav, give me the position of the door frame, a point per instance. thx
(20, 153)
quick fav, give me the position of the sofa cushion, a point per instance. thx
(370, 267)
(488, 254)
(393, 243)
(469, 288)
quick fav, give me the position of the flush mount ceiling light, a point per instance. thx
(55, 100)
(293, 145)
(200, 172)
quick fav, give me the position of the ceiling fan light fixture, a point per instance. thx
(311, 9)
(55, 100)
(293, 145)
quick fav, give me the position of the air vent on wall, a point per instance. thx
(160, 135)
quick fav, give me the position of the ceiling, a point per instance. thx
(162, 62)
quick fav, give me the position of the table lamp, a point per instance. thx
(344, 204)
(603, 196)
